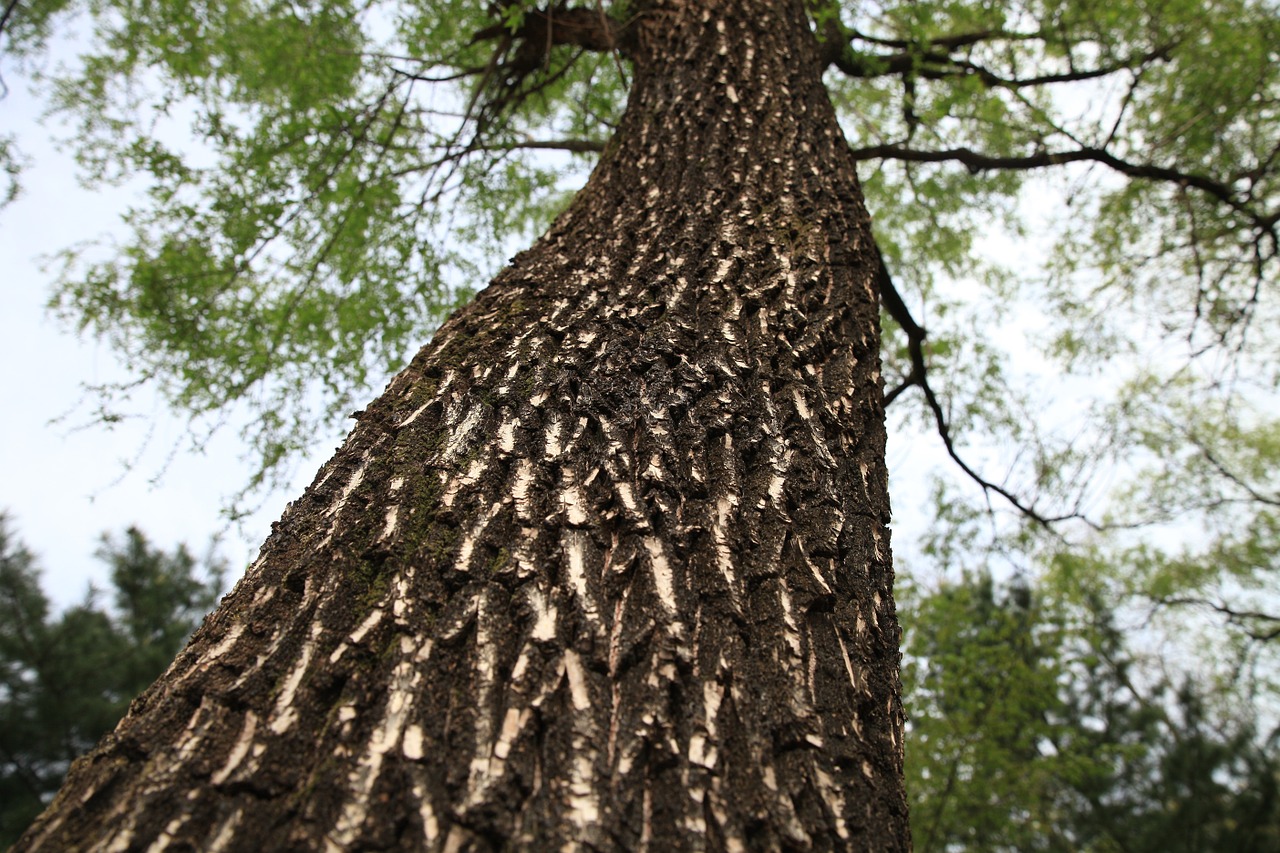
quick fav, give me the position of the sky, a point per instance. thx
(63, 483)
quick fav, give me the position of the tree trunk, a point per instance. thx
(607, 566)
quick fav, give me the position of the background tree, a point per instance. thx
(1036, 727)
(66, 678)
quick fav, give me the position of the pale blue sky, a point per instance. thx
(64, 486)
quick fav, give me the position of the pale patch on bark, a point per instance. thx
(722, 270)
(458, 436)
(854, 681)
(575, 551)
(165, 838)
(224, 646)
(583, 801)
(400, 694)
(776, 483)
(802, 407)
(457, 483)
(520, 489)
(628, 497)
(646, 811)
(265, 593)
(392, 512)
(430, 823)
(357, 635)
(239, 751)
(414, 415)
(463, 563)
(720, 534)
(553, 448)
(663, 577)
(834, 799)
(792, 629)
(654, 469)
(544, 627)
(226, 832)
(412, 747)
(284, 715)
(512, 724)
(817, 575)
(507, 435)
(486, 658)
(119, 844)
(350, 487)
(193, 734)
(571, 498)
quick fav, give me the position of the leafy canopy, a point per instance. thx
(325, 180)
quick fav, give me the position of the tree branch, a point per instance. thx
(935, 65)
(977, 162)
(576, 146)
(954, 41)
(543, 29)
(4, 23)
(1243, 618)
(897, 308)
(1228, 474)
(8, 13)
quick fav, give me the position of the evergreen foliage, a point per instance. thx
(66, 678)
(1036, 726)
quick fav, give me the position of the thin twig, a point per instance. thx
(894, 304)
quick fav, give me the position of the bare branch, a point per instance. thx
(462, 73)
(1247, 619)
(952, 41)
(8, 13)
(975, 162)
(543, 29)
(936, 65)
(1229, 475)
(576, 146)
(894, 304)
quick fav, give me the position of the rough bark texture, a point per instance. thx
(607, 566)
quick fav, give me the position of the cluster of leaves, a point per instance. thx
(1137, 141)
(315, 203)
(1113, 389)
(1035, 726)
(66, 678)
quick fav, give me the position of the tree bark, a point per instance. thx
(607, 566)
